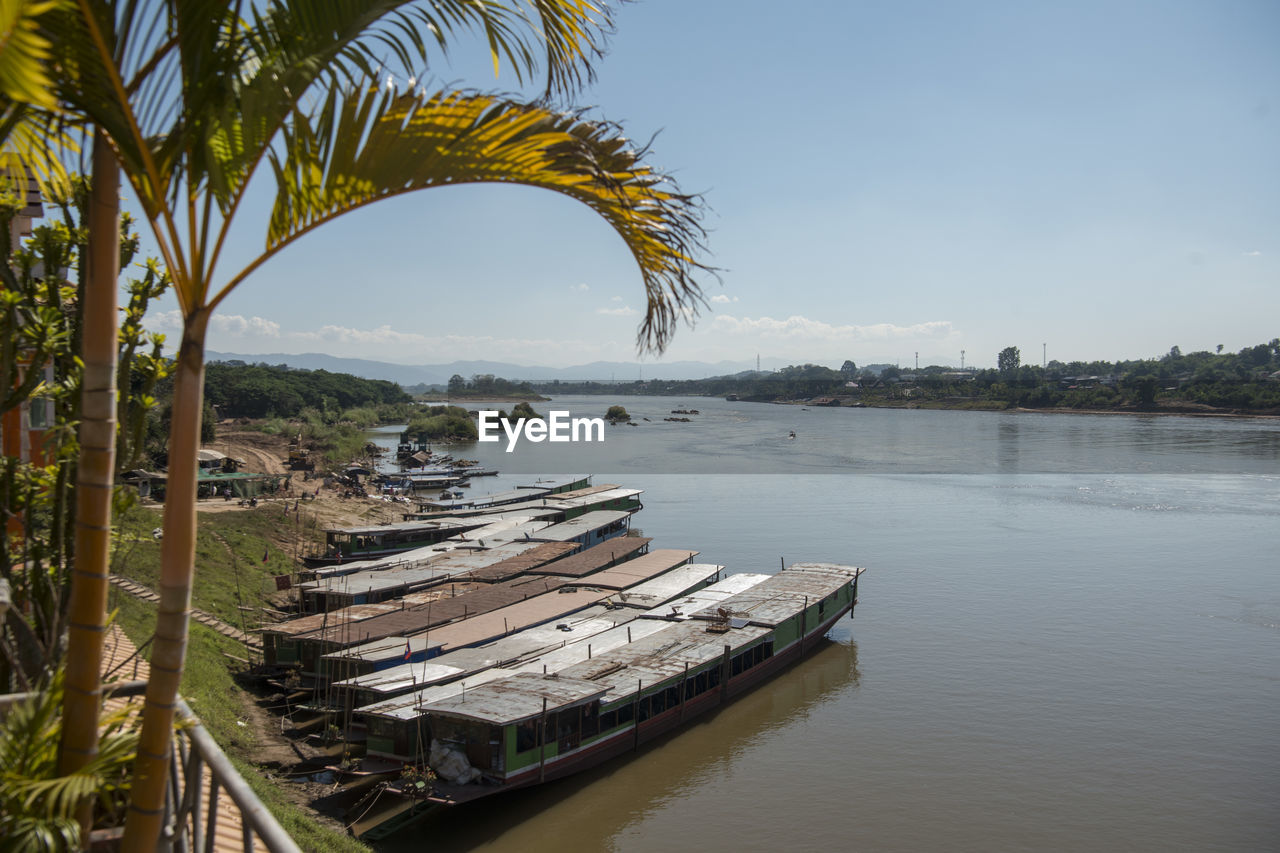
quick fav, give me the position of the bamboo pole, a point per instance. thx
(177, 568)
(87, 613)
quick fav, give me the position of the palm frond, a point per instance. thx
(24, 52)
(374, 144)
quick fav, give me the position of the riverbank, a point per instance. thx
(241, 550)
(975, 405)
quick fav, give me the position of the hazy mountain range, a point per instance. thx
(438, 374)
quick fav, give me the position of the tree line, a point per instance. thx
(1239, 381)
(240, 390)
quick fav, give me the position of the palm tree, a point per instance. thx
(195, 97)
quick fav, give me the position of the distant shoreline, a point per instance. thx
(1207, 412)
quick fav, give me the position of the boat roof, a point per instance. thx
(379, 650)
(551, 483)
(506, 651)
(639, 570)
(596, 557)
(368, 581)
(527, 651)
(708, 596)
(516, 495)
(521, 696)
(593, 495)
(661, 655)
(516, 617)
(430, 524)
(505, 529)
(586, 491)
(583, 524)
(335, 618)
(781, 596)
(535, 557)
(668, 585)
(463, 557)
(586, 648)
(441, 612)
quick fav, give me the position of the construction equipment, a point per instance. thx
(299, 456)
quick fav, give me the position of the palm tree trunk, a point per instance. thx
(95, 480)
(177, 569)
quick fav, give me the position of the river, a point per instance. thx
(1068, 636)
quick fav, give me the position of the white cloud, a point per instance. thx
(624, 311)
(803, 328)
(581, 287)
(722, 299)
(227, 325)
(1255, 253)
(164, 321)
(238, 326)
(615, 298)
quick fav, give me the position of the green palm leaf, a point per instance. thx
(24, 52)
(364, 146)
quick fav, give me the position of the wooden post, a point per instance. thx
(635, 712)
(804, 623)
(684, 689)
(725, 669)
(542, 743)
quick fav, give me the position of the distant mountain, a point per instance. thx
(438, 374)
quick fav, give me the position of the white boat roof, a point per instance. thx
(581, 498)
(586, 648)
(447, 523)
(781, 596)
(368, 581)
(550, 483)
(660, 656)
(464, 662)
(376, 650)
(709, 596)
(517, 697)
(666, 586)
(585, 523)
(636, 571)
(505, 529)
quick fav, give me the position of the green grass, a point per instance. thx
(302, 827)
(226, 574)
(230, 546)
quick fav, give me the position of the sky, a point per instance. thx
(1086, 180)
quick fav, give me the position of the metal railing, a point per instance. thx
(190, 822)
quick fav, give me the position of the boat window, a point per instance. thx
(591, 720)
(526, 735)
(673, 696)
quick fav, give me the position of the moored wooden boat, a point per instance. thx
(530, 727)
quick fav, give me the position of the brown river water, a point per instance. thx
(1068, 636)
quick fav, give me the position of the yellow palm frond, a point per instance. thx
(373, 144)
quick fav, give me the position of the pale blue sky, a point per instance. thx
(882, 179)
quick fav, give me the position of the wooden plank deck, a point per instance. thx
(121, 662)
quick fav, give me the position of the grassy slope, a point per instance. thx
(207, 683)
